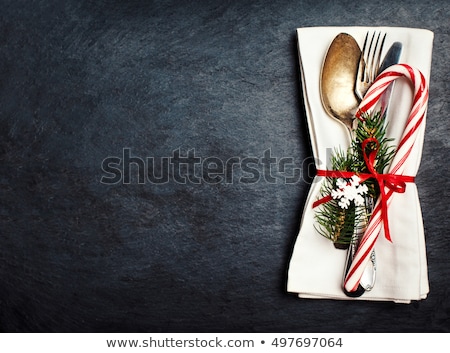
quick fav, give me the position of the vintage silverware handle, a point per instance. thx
(370, 273)
(369, 276)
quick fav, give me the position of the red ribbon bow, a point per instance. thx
(393, 182)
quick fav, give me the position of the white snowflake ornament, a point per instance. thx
(349, 190)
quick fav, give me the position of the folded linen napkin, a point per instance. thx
(316, 266)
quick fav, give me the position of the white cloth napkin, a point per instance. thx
(316, 266)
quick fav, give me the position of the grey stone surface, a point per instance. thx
(81, 81)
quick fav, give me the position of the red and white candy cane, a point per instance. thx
(415, 120)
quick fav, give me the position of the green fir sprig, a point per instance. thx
(333, 221)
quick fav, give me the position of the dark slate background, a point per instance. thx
(82, 80)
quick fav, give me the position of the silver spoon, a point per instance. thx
(337, 87)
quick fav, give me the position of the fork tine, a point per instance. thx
(362, 72)
(375, 64)
(371, 60)
(379, 56)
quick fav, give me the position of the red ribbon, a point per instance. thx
(394, 182)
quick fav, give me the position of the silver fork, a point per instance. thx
(369, 63)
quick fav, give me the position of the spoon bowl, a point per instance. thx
(337, 84)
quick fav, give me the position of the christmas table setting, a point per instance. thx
(361, 235)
